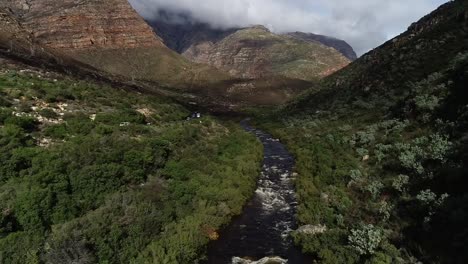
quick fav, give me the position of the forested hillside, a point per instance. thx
(381, 150)
(91, 173)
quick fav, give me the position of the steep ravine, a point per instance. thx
(262, 233)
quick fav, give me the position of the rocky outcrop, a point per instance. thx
(338, 44)
(12, 34)
(84, 24)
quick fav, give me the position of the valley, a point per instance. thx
(125, 140)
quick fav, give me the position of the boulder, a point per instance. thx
(312, 229)
(266, 260)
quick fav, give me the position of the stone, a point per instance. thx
(266, 260)
(312, 229)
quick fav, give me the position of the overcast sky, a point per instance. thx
(365, 24)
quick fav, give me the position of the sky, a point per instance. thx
(365, 24)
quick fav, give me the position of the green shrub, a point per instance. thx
(4, 102)
(79, 124)
(26, 123)
(48, 113)
(4, 114)
(115, 118)
(375, 188)
(56, 131)
(400, 183)
(366, 240)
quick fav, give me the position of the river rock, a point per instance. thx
(266, 260)
(312, 229)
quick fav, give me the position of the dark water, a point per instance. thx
(264, 227)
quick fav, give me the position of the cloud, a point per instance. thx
(364, 24)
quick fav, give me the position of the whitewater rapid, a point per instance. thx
(262, 232)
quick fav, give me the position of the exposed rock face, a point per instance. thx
(85, 24)
(340, 45)
(11, 31)
(256, 52)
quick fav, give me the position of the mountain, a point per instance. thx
(381, 150)
(110, 39)
(256, 52)
(109, 36)
(250, 52)
(180, 31)
(338, 44)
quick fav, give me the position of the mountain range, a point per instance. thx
(253, 52)
(110, 38)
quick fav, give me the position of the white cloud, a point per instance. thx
(364, 24)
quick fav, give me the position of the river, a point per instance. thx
(263, 229)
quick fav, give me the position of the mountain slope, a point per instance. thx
(107, 35)
(12, 35)
(250, 52)
(180, 31)
(381, 150)
(94, 172)
(256, 52)
(426, 47)
(339, 45)
(110, 39)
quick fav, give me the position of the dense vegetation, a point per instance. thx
(389, 183)
(93, 174)
(384, 167)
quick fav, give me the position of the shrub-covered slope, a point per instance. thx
(381, 150)
(95, 174)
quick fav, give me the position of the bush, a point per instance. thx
(115, 118)
(56, 131)
(400, 182)
(26, 123)
(4, 102)
(374, 188)
(366, 239)
(439, 147)
(4, 114)
(79, 124)
(48, 113)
